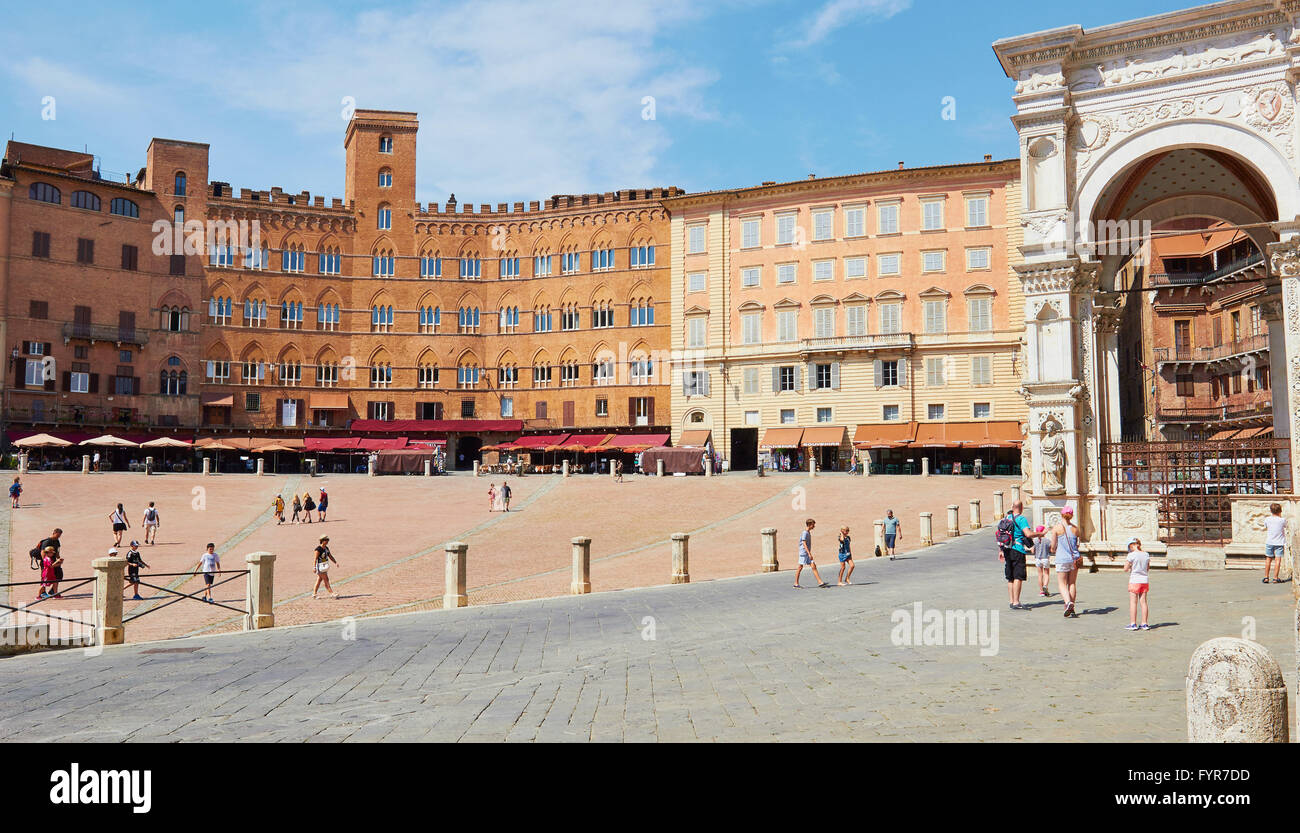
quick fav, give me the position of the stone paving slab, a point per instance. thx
(731, 660)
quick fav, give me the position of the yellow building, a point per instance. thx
(876, 311)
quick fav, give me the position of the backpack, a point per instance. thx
(1006, 532)
(35, 553)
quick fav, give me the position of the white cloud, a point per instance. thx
(837, 14)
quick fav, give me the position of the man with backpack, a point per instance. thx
(1015, 541)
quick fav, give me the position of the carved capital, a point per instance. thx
(1284, 258)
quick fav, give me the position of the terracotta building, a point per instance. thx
(875, 313)
(1194, 347)
(98, 323)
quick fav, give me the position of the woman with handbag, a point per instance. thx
(322, 566)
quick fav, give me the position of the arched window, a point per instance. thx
(384, 220)
(428, 375)
(430, 318)
(123, 207)
(385, 144)
(175, 320)
(430, 266)
(178, 215)
(469, 319)
(385, 178)
(384, 264)
(331, 261)
(381, 318)
(85, 199)
(44, 192)
(327, 316)
(180, 183)
(508, 319)
(293, 258)
(381, 375)
(467, 375)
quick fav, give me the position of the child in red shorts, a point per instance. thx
(1138, 567)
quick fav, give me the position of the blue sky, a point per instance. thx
(519, 100)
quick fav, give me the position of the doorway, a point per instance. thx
(744, 449)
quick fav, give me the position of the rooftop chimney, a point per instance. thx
(900, 165)
(988, 157)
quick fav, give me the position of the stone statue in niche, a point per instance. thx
(1052, 448)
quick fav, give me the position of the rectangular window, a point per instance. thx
(253, 402)
(40, 244)
(824, 322)
(787, 416)
(855, 267)
(977, 212)
(980, 311)
(887, 219)
(749, 276)
(751, 381)
(786, 273)
(932, 215)
(602, 407)
(751, 325)
(85, 250)
(1186, 385)
(855, 221)
(933, 261)
(697, 281)
(787, 325)
(752, 418)
(823, 222)
(695, 239)
(823, 270)
(934, 372)
(130, 258)
(750, 237)
(889, 413)
(981, 370)
(823, 377)
(696, 332)
(889, 373)
(982, 410)
(936, 316)
(823, 414)
(785, 228)
(855, 319)
(890, 319)
(38, 309)
(79, 382)
(934, 412)
(695, 383)
(785, 381)
(887, 265)
(977, 259)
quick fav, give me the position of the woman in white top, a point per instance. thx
(1274, 542)
(120, 524)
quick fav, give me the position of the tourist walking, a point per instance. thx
(151, 522)
(322, 505)
(322, 562)
(846, 557)
(120, 524)
(209, 565)
(96, 461)
(51, 573)
(618, 471)
(1065, 544)
(1043, 562)
(15, 490)
(308, 506)
(893, 531)
(1138, 567)
(278, 505)
(805, 554)
(1015, 539)
(506, 492)
(1275, 528)
(492, 497)
(297, 508)
(134, 561)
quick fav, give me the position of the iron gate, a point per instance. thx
(1195, 479)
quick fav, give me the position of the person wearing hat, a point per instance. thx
(1065, 545)
(134, 561)
(322, 566)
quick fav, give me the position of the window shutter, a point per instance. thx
(902, 372)
(878, 368)
(776, 380)
(705, 386)
(835, 375)
(798, 379)
(812, 375)
(650, 410)
(20, 371)
(135, 385)
(67, 380)
(49, 349)
(631, 410)
(94, 383)
(49, 384)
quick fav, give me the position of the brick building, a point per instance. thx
(373, 312)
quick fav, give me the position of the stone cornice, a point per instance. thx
(1072, 276)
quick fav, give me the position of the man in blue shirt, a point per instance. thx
(1013, 557)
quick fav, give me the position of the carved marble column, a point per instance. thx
(1284, 353)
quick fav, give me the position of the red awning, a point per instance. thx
(539, 441)
(587, 442)
(625, 442)
(424, 443)
(379, 444)
(330, 443)
(444, 426)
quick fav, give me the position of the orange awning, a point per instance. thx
(823, 435)
(331, 401)
(695, 438)
(1004, 434)
(782, 438)
(884, 435)
(948, 434)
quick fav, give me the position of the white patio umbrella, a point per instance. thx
(40, 441)
(165, 443)
(110, 440)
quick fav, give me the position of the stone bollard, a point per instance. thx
(659, 467)
(770, 564)
(85, 464)
(975, 515)
(454, 590)
(954, 527)
(880, 536)
(1235, 694)
(428, 468)
(1015, 495)
(581, 567)
(708, 468)
(999, 506)
(925, 466)
(979, 469)
(22, 462)
(866, 464)
(762, 470)
(261, 466)
(612, 474)
(107, 606)
(476, 468)
(207, 465)
(370, 466)
(261, 590)
(812, 466)
(564, 468)
(927, 529)
(148, 465)
(681, 557)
